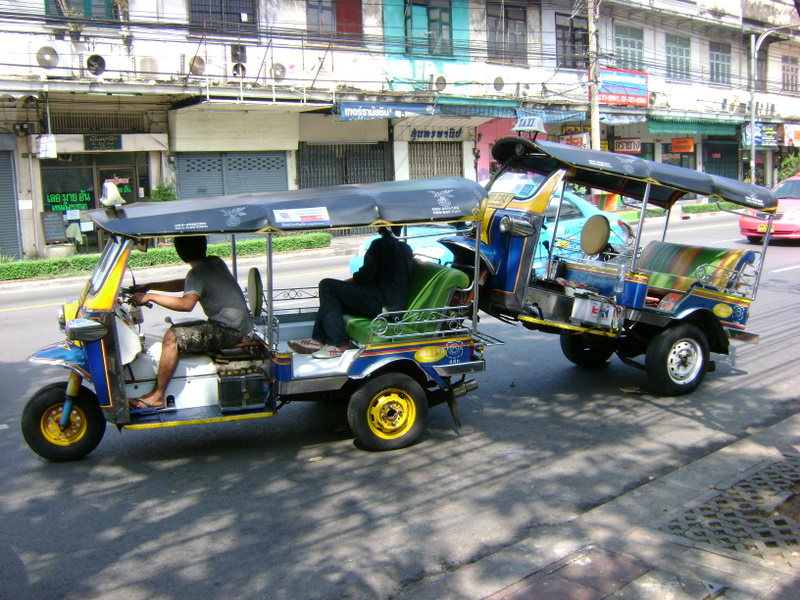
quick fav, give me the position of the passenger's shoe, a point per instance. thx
(306, 346)
(328, 351)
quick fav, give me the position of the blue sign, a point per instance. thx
(360, 111)
(622, 87)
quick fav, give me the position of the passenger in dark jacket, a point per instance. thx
(382, 283)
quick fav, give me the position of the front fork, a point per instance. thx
(73, 389)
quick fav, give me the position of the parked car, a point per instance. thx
(786, 223)
(575, 210)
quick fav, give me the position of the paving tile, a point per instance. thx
(664, 585)
(603, 571)
(551, 587)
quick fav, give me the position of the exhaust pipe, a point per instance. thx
(464, 387)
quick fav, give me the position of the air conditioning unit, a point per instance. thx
(55, 59)
(437, 83)
(211, 68)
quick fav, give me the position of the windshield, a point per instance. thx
(109, 258)
(788, 189)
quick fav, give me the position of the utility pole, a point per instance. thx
(594, 108)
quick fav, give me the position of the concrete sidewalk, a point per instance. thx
(707, 530)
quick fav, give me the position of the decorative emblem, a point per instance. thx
(233, 216)
(443, 197)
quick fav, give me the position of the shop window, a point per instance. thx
(572, 41)
(429, 27)
(507, 33)
(340, 20)
(223, 16)
(629, 47)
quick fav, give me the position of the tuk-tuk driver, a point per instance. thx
(209, 282)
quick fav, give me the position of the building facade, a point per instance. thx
(219, 97)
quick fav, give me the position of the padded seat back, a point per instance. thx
(674, 266)
(431, 288)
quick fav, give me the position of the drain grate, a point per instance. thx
(740, 518)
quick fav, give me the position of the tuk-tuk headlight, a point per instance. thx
(516, 226)
(85, 330)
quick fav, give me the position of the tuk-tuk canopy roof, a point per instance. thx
(434, 200)
(628, 175)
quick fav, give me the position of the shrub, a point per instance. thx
(81, 264)
(708, 207)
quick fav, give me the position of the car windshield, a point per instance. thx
(788, 189)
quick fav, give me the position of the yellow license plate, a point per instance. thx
(762, 228)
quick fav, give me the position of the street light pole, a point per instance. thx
(755, 44)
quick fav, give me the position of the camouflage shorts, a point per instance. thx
(197, 337)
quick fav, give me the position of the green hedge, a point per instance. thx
(708, 207)
(84, 263)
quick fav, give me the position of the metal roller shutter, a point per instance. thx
(435, 159)
(9, 218)
(204, 174)
(334, 164)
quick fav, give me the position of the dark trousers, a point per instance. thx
(336, 298)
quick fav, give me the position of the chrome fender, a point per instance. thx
(63, 354)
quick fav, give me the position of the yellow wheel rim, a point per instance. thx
(391, 414)
(74, 431)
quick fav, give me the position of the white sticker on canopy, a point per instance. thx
(302, 217)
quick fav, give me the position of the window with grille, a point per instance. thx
(679, 57)
(507, 33)
(341, 20)
(629, 47)
(102, 10)
(429, 27)
(789, 80)
(223, 16)
(572, 41)
(720, 62)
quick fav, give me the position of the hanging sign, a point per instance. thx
(682, 145)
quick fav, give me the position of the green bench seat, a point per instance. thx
(431, 289)
(675, 266)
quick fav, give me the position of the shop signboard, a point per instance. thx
(679, 145)
(359, 111)
(766, 135)
(622, 87)
(582, 140)
(628, 145)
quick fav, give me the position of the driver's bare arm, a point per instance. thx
(172, 285)
(177, 303)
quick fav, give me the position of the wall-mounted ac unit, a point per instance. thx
(437, 83)
(105, 67)
(55, 58)
(212, 68)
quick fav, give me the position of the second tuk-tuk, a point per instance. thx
(405, 361)
(673, 303)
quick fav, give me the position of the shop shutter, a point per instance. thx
(334, 164)
(204, 174)
(722, 158)
(9, 217)
(435, 159)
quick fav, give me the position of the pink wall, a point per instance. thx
(486, 135)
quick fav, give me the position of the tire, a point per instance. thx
(388, 412)
(42, 433)
(755, 239)
(586, 350)
(677, 360)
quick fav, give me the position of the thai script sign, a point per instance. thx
(359, 111)
(622, 87)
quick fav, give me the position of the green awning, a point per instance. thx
(658, 125)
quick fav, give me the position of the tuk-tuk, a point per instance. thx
(673, 303)
(403, 362)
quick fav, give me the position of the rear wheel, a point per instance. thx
(41, 430)
(677, 360)
(587, 351)
(755, 239)
(388, 412)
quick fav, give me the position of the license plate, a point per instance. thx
(762, 228)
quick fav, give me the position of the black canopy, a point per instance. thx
(628, 175)
(446, 199)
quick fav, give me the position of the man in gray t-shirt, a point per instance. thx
(210, 283)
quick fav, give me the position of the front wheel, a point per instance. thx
(586, 350)
(677, 360)
(388, 412)
(41, 430)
